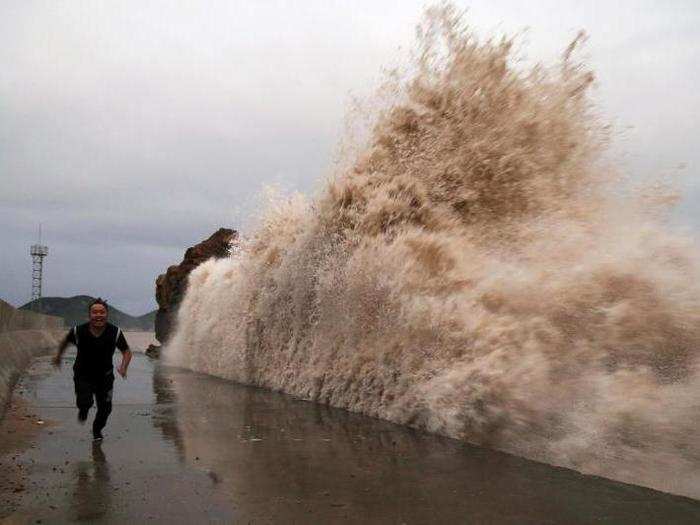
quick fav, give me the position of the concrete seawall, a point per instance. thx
(17, 348)
(23, 336)
(13, 319)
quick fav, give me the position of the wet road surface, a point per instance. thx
(187, 448)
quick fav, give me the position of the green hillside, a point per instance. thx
(74, 310)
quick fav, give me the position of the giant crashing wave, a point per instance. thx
(478, 272)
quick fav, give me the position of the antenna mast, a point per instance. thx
(38, 252)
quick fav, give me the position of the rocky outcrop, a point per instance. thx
(153, 351)
(171, 286)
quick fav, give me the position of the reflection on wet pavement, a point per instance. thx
(182, 447)
(92, 495)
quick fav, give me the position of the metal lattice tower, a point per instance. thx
(38, 252)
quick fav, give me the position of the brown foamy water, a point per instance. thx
(477, 272)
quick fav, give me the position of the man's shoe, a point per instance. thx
(97, 437)
(82, 416)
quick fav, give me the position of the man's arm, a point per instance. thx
(126, 359)
(67, 340)
(126, 354)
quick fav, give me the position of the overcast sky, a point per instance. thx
(134, 129)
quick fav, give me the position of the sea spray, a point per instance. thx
(478, 272)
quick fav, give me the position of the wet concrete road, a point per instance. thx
(186, 448)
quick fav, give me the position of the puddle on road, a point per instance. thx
(271, 451)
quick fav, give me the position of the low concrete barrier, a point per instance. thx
(17, 348)
(13, 319)
(23, 335)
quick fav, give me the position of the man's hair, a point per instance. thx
(99, 300)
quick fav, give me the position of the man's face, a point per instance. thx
(98, 315)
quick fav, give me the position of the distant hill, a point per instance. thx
(74, 310)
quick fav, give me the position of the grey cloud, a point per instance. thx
(134, 129)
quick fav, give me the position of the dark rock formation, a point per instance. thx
(171, 286)
(153, 351)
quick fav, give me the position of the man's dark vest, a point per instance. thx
(95, 354)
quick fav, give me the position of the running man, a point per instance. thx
(93, 374)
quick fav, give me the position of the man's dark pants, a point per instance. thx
(99, 387)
